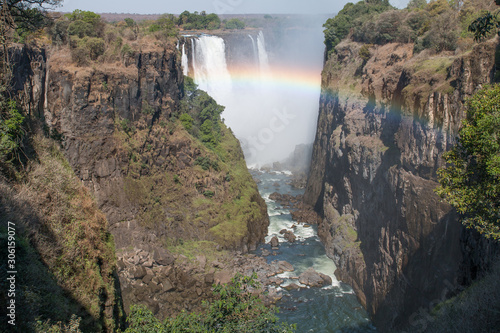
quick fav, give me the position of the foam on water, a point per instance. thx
(329, 309)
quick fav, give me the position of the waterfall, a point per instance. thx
(254, 46)
(184, 61)
(261, 46)
(210, 68)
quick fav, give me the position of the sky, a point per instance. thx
(213, 6)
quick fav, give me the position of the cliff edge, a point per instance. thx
(383, 125)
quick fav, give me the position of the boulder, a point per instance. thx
(285, 266)
(314, 279)
(292, 286)
(274, 242)
(162, 257)
(139, 272)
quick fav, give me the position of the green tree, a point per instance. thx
(235, 310)
(352, 15)
(234, 24)
(11, 132)
(471, 180)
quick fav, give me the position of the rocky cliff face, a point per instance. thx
(118, 126)
(383, 126)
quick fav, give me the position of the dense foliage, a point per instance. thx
(440, 25)
(352, 15)
(201, 114)
(234, 309)
(471, 181)
(484, 25)
(197, 20)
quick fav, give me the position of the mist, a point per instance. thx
(269, 81)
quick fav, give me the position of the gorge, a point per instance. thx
(168, 166)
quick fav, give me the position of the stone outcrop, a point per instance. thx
(117, 126)
(382, 129)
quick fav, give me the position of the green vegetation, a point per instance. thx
(483, 26)
(196, 21)
(235, 309)
(440, 25)
(471, 181)
(63, 247)
(350, 16)
(201, 115)
(11, 133)
(234, 23)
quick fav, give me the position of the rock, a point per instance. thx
(163, 257)
(167, 285)
(312, 278)
(223, 277)
(289, 236)
(146, 279)
(291, 286)
(326, 278)
(139, 272)
(285, 266)
(209, 278)
(274, 242)
(202, 260)
(265, 253)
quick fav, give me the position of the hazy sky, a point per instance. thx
(213, 6)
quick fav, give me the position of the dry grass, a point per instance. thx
(69, 235)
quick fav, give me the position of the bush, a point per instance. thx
(59, 32)
(94, 46)
(187, 121)
(80, 56)
(81, 29)
(471, 181)
(235, 309)
(352, 15)
(11, 132)
(234, 24)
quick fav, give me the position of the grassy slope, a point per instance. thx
(65, 256)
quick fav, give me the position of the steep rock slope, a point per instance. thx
(383, 126)
(167, 197)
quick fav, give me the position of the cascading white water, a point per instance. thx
(271, 101)
(184, 61)
(263, 57)
(254, 48)
(210, 68)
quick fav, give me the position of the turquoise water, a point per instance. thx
(332, 308)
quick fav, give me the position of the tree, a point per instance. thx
(484, 25)
(471, 180)
(26, 13)
(235, 309)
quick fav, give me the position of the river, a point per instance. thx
(332, 308)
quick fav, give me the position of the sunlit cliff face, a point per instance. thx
(269, 83)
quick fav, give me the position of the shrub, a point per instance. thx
(81, 29)
(235, 309)
(94, 46)
(471, 181)
(352, 15)
(234, 24)
(80, 56)
(11, 131)
(364, 53)
(187, 121)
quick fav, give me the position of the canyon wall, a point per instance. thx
(383, 126)
(166, 196)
